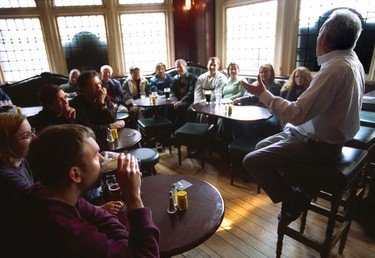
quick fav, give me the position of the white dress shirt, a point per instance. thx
(328, 111)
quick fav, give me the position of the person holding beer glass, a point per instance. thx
(53, 220)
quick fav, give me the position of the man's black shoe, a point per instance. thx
(297, 202)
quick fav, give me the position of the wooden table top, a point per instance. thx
(186, 230)
(127, 138)
(160, 101)
(239, 113)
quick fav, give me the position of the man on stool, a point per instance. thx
(324, 117)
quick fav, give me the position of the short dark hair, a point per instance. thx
(48, 94)
(56, 149)
(85, 77)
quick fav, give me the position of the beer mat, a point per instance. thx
(182, 185)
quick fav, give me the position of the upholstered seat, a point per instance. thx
(367, 118)
(148, 157)
(365, 140)
(157, 127)
(238, 149)
(194, 135)
(342, 184)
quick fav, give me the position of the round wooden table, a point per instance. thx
(127, 138)
(186, 230)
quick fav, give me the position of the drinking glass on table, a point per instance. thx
(167, 92)
(142, 95)
(207, 94)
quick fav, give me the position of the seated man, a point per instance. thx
(56, 109)
(114, 91)
(94, 109)
(71, 87)
(132, 87)
(182, 87)
(211, 80)
(5, 101)
(53, 221)
(160, 80)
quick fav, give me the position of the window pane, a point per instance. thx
(312, 16)
(17, 3)
(22, 43)
(84, 41)
(140, 1)
(250, 35)
(145, 40)
(77, 2)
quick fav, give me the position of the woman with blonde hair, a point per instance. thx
(15, 173)
(299, 81)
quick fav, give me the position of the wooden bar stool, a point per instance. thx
(341, 187)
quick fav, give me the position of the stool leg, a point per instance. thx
(231, 173)
(335, 203)
(280, 236)
(303, 221)
(179, 154)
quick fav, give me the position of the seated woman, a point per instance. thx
(299, 81)
(232, 88)
(15, 173)
(271, 125)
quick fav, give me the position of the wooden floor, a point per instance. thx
(249, 228)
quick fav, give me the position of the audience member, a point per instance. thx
(232, 89)
(160, 80)
(261, 128)
(53, 221)
(182, 87)
(114, 91)
(15, 173)
(267, 74)
(210, 80)
(133, 86)
(56, 109)
(3, 95)
(5, 102)
(93, 107)
(71, 87)
(299, 81)
(323, 118)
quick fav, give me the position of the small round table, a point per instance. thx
(127, 138)
(186, 230)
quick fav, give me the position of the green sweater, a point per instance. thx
(233, 89)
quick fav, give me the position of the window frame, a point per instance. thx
(286, 34)
(111, 10)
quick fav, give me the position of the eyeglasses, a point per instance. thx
(27, 135)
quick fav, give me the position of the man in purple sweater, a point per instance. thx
(53, 221)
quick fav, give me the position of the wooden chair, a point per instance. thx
(194, 135)
(341, 188)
